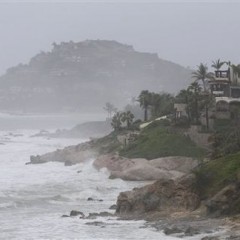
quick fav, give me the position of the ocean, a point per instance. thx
(34, 197)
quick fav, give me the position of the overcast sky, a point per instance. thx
(185, 32)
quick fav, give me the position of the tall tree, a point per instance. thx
(117, 121)
(155, 104)
(184, 96)
(128, 118)
(207, 102)
(194, 90)
(202, 74)
(145, 101)
(217, 64)
(110, 108)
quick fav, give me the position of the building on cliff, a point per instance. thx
(225, 87)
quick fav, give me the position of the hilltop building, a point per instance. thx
(226, 88)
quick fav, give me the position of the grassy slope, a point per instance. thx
(216, 174)
(156, 141)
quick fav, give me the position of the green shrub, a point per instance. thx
(157, 141)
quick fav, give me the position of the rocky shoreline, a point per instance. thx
(171, 204)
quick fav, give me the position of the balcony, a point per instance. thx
(222, 75)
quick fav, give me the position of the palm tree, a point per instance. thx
(128, 118)
(207, 101)
(184, 97)
(155, 104)
(116, 121)
(202, 74)
(145, 101)
(217, 64)
(194, 93)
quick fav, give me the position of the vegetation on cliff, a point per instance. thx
(160, 140)
(216, 174)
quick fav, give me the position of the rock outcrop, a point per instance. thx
(69, 155)
(225, 202)
(140, 169)
(163, 195)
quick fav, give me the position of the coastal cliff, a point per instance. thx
(186, 191)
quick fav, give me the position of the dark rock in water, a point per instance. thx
(75, 213)
(96, 223)
(163, 195)
(210, 238)
(225, 202)
(113, 207)
(232, 237)
(64, 216)
(101, 214)
(79, 171)
(92, 199)
(68, 163)
(36, 159)
(173, 230)
(191, 231)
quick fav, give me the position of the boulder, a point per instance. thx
(140, 169)
(225, 202)
(145, 172)
(163, 195)
(176, 163)
(69, 155)
(173, 230)
(113, 207)
(113, 162)
(75, 213)
(101, 214)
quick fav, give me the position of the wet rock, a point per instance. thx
(75, 213)
(210, 238)
(64, 216)
(68, 163)
(96, 223)
(101, 214)
(191, 231)
(232, 237)
(36, 159)
(225, 202)
(73, 154)
(113, 207)
(173, 230)
(163, 195)
(79, 171)
(92, 199)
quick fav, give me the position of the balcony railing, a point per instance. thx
(222, 74)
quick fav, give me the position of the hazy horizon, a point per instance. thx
(184, 32)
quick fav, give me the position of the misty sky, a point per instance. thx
(185, 32)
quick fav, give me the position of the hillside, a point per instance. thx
(158, 140)
(83, 76)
